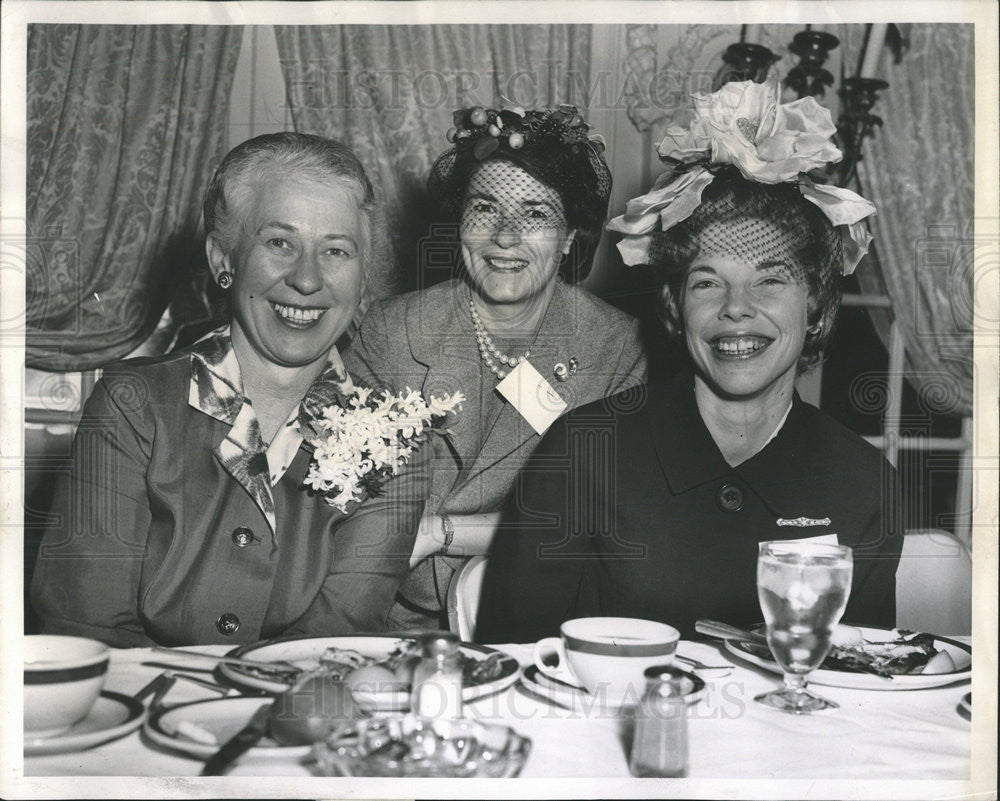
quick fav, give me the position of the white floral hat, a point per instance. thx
(745, 125)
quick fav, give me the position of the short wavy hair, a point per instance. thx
(730, 197)
(314, 158)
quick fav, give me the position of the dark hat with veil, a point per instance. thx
(553, 146)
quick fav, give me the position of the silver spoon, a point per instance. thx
(701, 666)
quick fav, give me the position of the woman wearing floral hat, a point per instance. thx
(528, 191)
(704, 465)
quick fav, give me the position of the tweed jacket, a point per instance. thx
(426, 340)
(635, 513)
(178, 526)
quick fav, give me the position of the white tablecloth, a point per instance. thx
(737, 747)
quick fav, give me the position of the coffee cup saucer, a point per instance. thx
(576, 698)
(113, 715)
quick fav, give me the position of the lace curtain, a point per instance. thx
(389, 91)
(918, 170)
(125, 124)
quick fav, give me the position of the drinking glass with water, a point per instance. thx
(803, 589)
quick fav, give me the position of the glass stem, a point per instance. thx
(796, 682)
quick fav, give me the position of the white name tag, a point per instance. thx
(532, 396)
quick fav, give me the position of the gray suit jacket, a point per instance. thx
(426, 340)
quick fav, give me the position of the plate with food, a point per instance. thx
(200, 728)
(870, 658)
(378, 669)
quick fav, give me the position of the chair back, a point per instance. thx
(934, 584)
(463, 597)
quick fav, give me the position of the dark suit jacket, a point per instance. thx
(143, 545)
(628, 508)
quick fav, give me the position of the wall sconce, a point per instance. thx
(809, 77)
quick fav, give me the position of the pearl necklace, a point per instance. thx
(488, 352)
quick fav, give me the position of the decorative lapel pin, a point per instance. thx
(803, 522)
(562, 373)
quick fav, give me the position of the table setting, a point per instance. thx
(802, 696)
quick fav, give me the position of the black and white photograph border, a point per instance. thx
(643, 61)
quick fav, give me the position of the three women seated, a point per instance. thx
(593, 492)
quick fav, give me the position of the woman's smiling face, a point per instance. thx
(745, 319)
(513, 233)
(297, 268)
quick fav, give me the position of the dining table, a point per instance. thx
(878, 744)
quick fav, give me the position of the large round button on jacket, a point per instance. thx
(227, 624)
(242, 536)
(730, 498)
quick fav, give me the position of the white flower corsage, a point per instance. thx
(745, 125)
(362, 438)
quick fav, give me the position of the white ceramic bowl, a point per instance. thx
(63, 677)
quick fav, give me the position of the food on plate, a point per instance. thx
(941, 662)
(270, 673)
(192, 731)
(372, 673)
(482, 671)
(404, 670)
(846, 636)
(374, 678)
(311, 709)
(395, 671)
(909, 653)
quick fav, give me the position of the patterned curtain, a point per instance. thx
(125, 124)
(918, 169)
(389, 91)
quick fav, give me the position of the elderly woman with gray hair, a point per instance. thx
(185, 518)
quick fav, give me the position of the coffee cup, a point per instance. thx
(63, 677)
(607, 655)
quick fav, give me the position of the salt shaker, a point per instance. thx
(437, 678)
(660, 745)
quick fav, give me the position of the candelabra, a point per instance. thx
(858, 94)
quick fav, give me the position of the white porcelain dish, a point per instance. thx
(113, 715)
(199, 728)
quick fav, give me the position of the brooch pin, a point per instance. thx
(563, 373)
(803, 522)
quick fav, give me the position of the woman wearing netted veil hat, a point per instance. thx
(528, 191)
(749, 251)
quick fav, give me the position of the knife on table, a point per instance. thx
(237, 745)
(713, 628)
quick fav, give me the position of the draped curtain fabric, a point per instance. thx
(389, 92)
(125, 124)
(918, 170)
